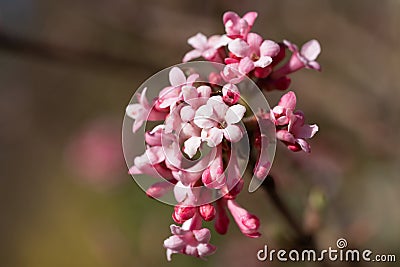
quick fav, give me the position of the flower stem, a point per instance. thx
(303, 239)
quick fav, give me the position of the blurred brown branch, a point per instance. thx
(66, 54)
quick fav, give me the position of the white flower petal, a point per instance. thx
(235, 113)
(239, 47)
(187, 113)
(233, 133)
(191, 145)
(204, 117)
(176, 77)
(311, 50)
(214, 137)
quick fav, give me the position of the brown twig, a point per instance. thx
(65, 54)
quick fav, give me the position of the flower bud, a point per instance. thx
(207, 212)
(183, 213)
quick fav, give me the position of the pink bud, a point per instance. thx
(183, 213)
(207, 212)
(247, 223)
(230, 94)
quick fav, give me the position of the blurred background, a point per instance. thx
(69, 68)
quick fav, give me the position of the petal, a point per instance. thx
(311, 50)
(269, 48)
(174, 242)
(155, 154)
(186, 178)
(183, 193)
(191, 55)
(218, 105)
(213, 137)
(292, 47)
(192, 78)
(189, 92)
(187, 113)
(263, 61)
(288, 100)
(176, 77)
(250, 17)
(177, 230)
(217, 41)
(239, 47)
(191, 251)
(254, 40)
(304, 145)
(204, 91)
(235, 113)
(203, 117)
(313, 65)
(285, 136)
(233, 133)
(143, 99)
(246, 65)
(169, 253)
(202, 235)
(191, 146)
(205, 249)
(306, 131)
(199, 41)
(134, 111)
(230, 16)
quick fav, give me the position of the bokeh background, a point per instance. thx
(69, 68)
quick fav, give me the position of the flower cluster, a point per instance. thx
(195, 116)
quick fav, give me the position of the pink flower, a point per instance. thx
(150, 163)
(218, 120)
(206, 48)
(305, 58)
(169, 96)
(296, 133)
(237, 27)
(255, 53)
(143, 111)
(294, 137)
(282, 113)
(308, 53)
(189, 240)
(247, 223)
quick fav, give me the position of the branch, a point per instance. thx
(65, 54)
